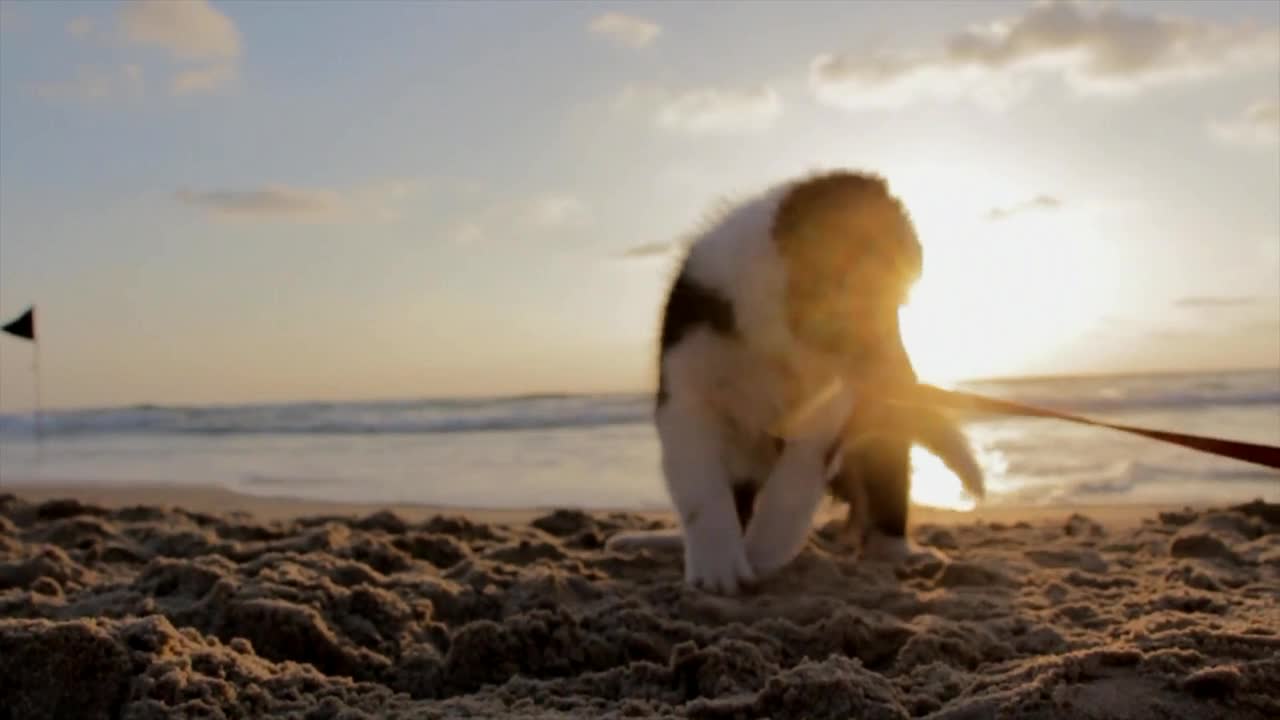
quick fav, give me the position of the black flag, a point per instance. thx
(24, 326)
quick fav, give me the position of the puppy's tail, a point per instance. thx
(940, 435)
(665, 539)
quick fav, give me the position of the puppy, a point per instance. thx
(780, 311)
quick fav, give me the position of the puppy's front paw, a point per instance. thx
(718, 567)
(768, 554)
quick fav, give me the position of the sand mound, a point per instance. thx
(148, 612)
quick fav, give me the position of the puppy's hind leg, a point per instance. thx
(847, 488)
(883, 464)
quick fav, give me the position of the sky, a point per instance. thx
(268, 201)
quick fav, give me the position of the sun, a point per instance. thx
(996, 298)
(933, 484)
(1000, 297)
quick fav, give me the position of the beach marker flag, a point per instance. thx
(24, 326)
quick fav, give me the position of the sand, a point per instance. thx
(144, 603)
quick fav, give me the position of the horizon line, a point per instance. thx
(1026, 378)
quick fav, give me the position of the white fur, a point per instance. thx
(699, 485)
(738, 257)
(725, 397)
(786, 506)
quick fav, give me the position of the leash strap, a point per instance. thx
(1265, 455)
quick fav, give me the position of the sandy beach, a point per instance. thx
(159, 602)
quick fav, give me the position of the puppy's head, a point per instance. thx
(851, 256)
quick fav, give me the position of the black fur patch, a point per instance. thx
(884, 466)
(821, 192)
(689, 306)
(744, 501)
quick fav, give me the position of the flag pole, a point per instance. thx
(39, 402)
(24, 326)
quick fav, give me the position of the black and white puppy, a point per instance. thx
(784, 312)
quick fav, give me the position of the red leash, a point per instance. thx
(1266, 455)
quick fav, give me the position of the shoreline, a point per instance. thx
(215, 499)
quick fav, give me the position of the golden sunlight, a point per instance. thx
(933, 484)
(997, 297)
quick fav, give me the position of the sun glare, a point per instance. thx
(933, 483)
(998, 297)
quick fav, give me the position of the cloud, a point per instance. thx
(189, 30)
(202, 40)
(467, 233)
(1256, 125)
(200, 46)
(520, 217)
(555, 210)
(209, 78)
(272, 201)
(649, 250)
(1102, 50)
(1213, 302)
(720, 110)
(625, 30)
(95, 82)
(1039, 202)
(371, 202)
(887, 81)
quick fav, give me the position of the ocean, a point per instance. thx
(601, 451)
